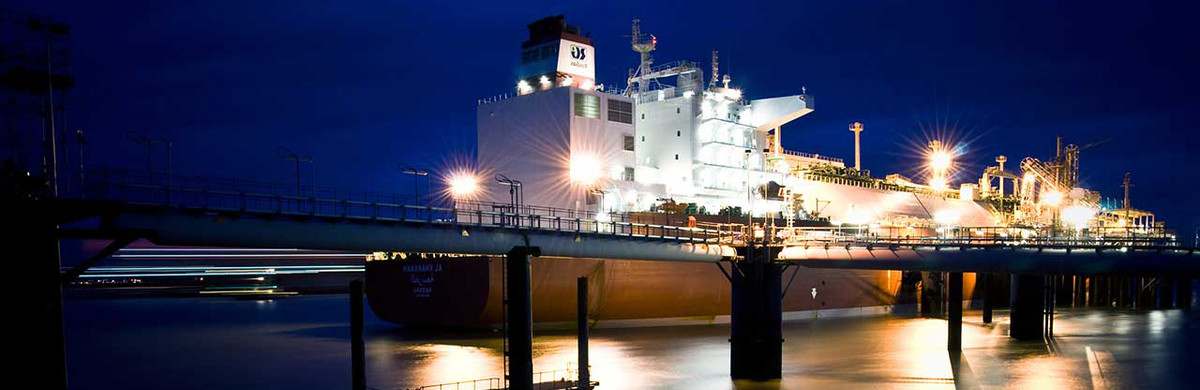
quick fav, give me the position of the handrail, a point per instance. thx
(388, 208)
(812, 156)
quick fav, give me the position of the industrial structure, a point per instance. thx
(677, 201)
(35, 77)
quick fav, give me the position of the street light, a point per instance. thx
(416, 174)
(515, 191)
(150, 143)
(288, 154)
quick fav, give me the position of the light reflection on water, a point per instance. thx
(302, 343)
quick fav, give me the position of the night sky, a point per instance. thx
(364, 86)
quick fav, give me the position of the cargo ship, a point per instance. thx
(669, 147)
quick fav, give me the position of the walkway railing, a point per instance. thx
(236, 196)
(970, 236)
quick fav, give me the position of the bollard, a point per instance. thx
(357, 349)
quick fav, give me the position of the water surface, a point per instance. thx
(303, 343)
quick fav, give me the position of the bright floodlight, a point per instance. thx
(463, 185)
(1078, 217)
(940, 160)
(1052, 198)
(946, 217)
(938, 183)
(585, 169)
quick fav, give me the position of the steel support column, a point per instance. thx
(756, 335)
(954, 314)
(357, 347)
(986, 279)
(1028, 299)
(1195, 294)
(520, 317)
(581, 312)
(931, 294)
(36, 315)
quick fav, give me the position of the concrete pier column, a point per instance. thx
(988, 296)
(756, 320)
(954, 312)
(520, 317)
(1028, 299)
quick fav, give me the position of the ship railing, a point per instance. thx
(140, 189)
(813, 156)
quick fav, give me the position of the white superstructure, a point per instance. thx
(668, 137)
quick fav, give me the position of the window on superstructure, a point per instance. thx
(628, 176)
(629, 143)
(587, 106)
(620, 111)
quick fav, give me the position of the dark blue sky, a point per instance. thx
(363, 86)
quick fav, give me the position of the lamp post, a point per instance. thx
(288, 154)
(416, 174)
(515, 191)
(150, 143)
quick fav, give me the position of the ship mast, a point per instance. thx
(712, 83)
(643, 47)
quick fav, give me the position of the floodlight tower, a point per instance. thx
(939, 163)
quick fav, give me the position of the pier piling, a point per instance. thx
(585, 380)
(756, 321)
(1028, 300)
(986, 280)
(520, 317)
(357, 348)
(954, 314)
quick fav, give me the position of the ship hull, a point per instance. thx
(469, 291)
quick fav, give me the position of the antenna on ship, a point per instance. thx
(643, 47)
(712, 83)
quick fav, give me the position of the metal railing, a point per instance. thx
(812, 156)
(238, 196)
(478, 384)
(545, 380)
(737, 234)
